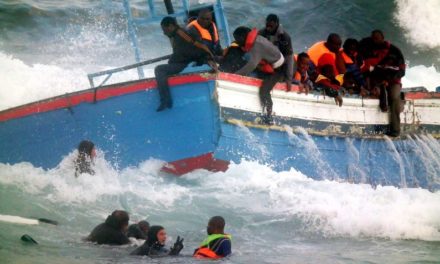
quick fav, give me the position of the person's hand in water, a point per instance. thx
(177, 247)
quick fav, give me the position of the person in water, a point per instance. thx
(264, 57)
(217, 244)
(185, 51)
(155, 244)
(112, 231)
(204, 30)
(139, 230)
(86, 155)
(276, 34)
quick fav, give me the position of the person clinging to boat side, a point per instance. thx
(264, 57)
(217, 244)
(185, 51)
(384, 67)
(86, 155)
(327, 80)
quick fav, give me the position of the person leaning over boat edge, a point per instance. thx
(204, 30)
(185, 51)
(217, 244)
(276, 34)
(266, 59)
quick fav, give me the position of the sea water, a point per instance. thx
(48, 47)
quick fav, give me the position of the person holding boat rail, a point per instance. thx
(217, 244)
(204, 30)
(185, 51)
(264, 57)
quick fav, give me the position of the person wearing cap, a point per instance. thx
(86, 155)
(112, 231)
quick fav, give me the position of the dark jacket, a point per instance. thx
(109, 233)
(282, 40)
(151, 247)
(184, 51)
(135, 231)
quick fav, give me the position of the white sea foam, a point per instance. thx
(21, 83)
(327, 207)
(420, 20)
(422, 76)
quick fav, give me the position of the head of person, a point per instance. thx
(327, 71)
(333, 42)
(272, 23)
(205, 18)
(169, 25)
(118, 220)
(86, 148)
(157, 236)
(216, 225)
(240, 35)
(377, 37)
(303, 62)
(144, 226)
(351, 46)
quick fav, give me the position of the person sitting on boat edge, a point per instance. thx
(185, 51)
(139, 230)
(328, 82)
(301, 75)
(353, 62)
(266, 59)
(328, 52)
(86, 155)
(276, 34)
(155, 244)
(385, 66)
(112, 231)
(217, 244)
(204, 30)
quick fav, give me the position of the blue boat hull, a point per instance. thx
(125, 127)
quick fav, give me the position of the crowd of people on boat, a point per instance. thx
(370, 67)
(116, 231)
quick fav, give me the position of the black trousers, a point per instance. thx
(162, 73)
(390, 96)
(269, 81)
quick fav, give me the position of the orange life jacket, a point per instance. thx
(263, 65)
(204, 33)
(204, 252)
(320, 55)
(347, 59)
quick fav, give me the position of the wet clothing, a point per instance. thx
(135, 231)
(83, 164)
(152, 247)
(209, 36)
(282, 40)
(109, 233)
(214, 246)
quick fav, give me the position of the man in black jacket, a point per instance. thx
(276, 34)
(185, 51)
(112, 231)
